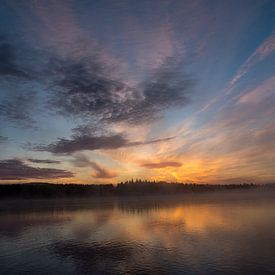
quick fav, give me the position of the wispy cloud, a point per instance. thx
(242, 130)
(259, 94)
(45, 161)
(266, 48)
(100, 172)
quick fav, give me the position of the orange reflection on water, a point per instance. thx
(194, 218)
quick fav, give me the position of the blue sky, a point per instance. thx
(111, 90)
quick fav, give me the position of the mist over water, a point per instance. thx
(200, 234)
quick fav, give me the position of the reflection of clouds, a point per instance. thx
(149, 223)
(194, 218)
(87, 224)
(187, 236)
(157, 236)
(161, 224)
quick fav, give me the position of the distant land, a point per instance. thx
(128, 188)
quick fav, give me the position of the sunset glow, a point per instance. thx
(107, 91)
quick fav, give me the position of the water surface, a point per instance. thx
(138, 236)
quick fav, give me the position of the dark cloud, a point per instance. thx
(85, 88)
(8, 65)
(156, 165)
(90, 142)
(14, 169)
(85, 142)
(46, 161)
(166, 88)
(88, 90)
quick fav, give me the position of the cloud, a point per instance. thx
(209, 152)
(159, 41)
(14, 169)
(167, 87)
(266, 48)
(18, 78)
(260, 94)
(88, 89)
(82, 142)
(83, 89)
(8, 66)
(54, 19)
(46, 161)
(101, 172)
(80, 160)
(156, 165)
(79, 79)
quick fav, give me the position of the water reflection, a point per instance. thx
(127, 236)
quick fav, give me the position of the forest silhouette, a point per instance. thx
(127, 188)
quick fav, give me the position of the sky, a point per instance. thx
(106, 91)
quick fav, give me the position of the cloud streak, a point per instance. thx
(45, 161)
(91, 143)
(100, 172)
(266, 48)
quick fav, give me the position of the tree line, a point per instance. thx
(127, 188)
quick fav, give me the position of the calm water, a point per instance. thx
(138, 236)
